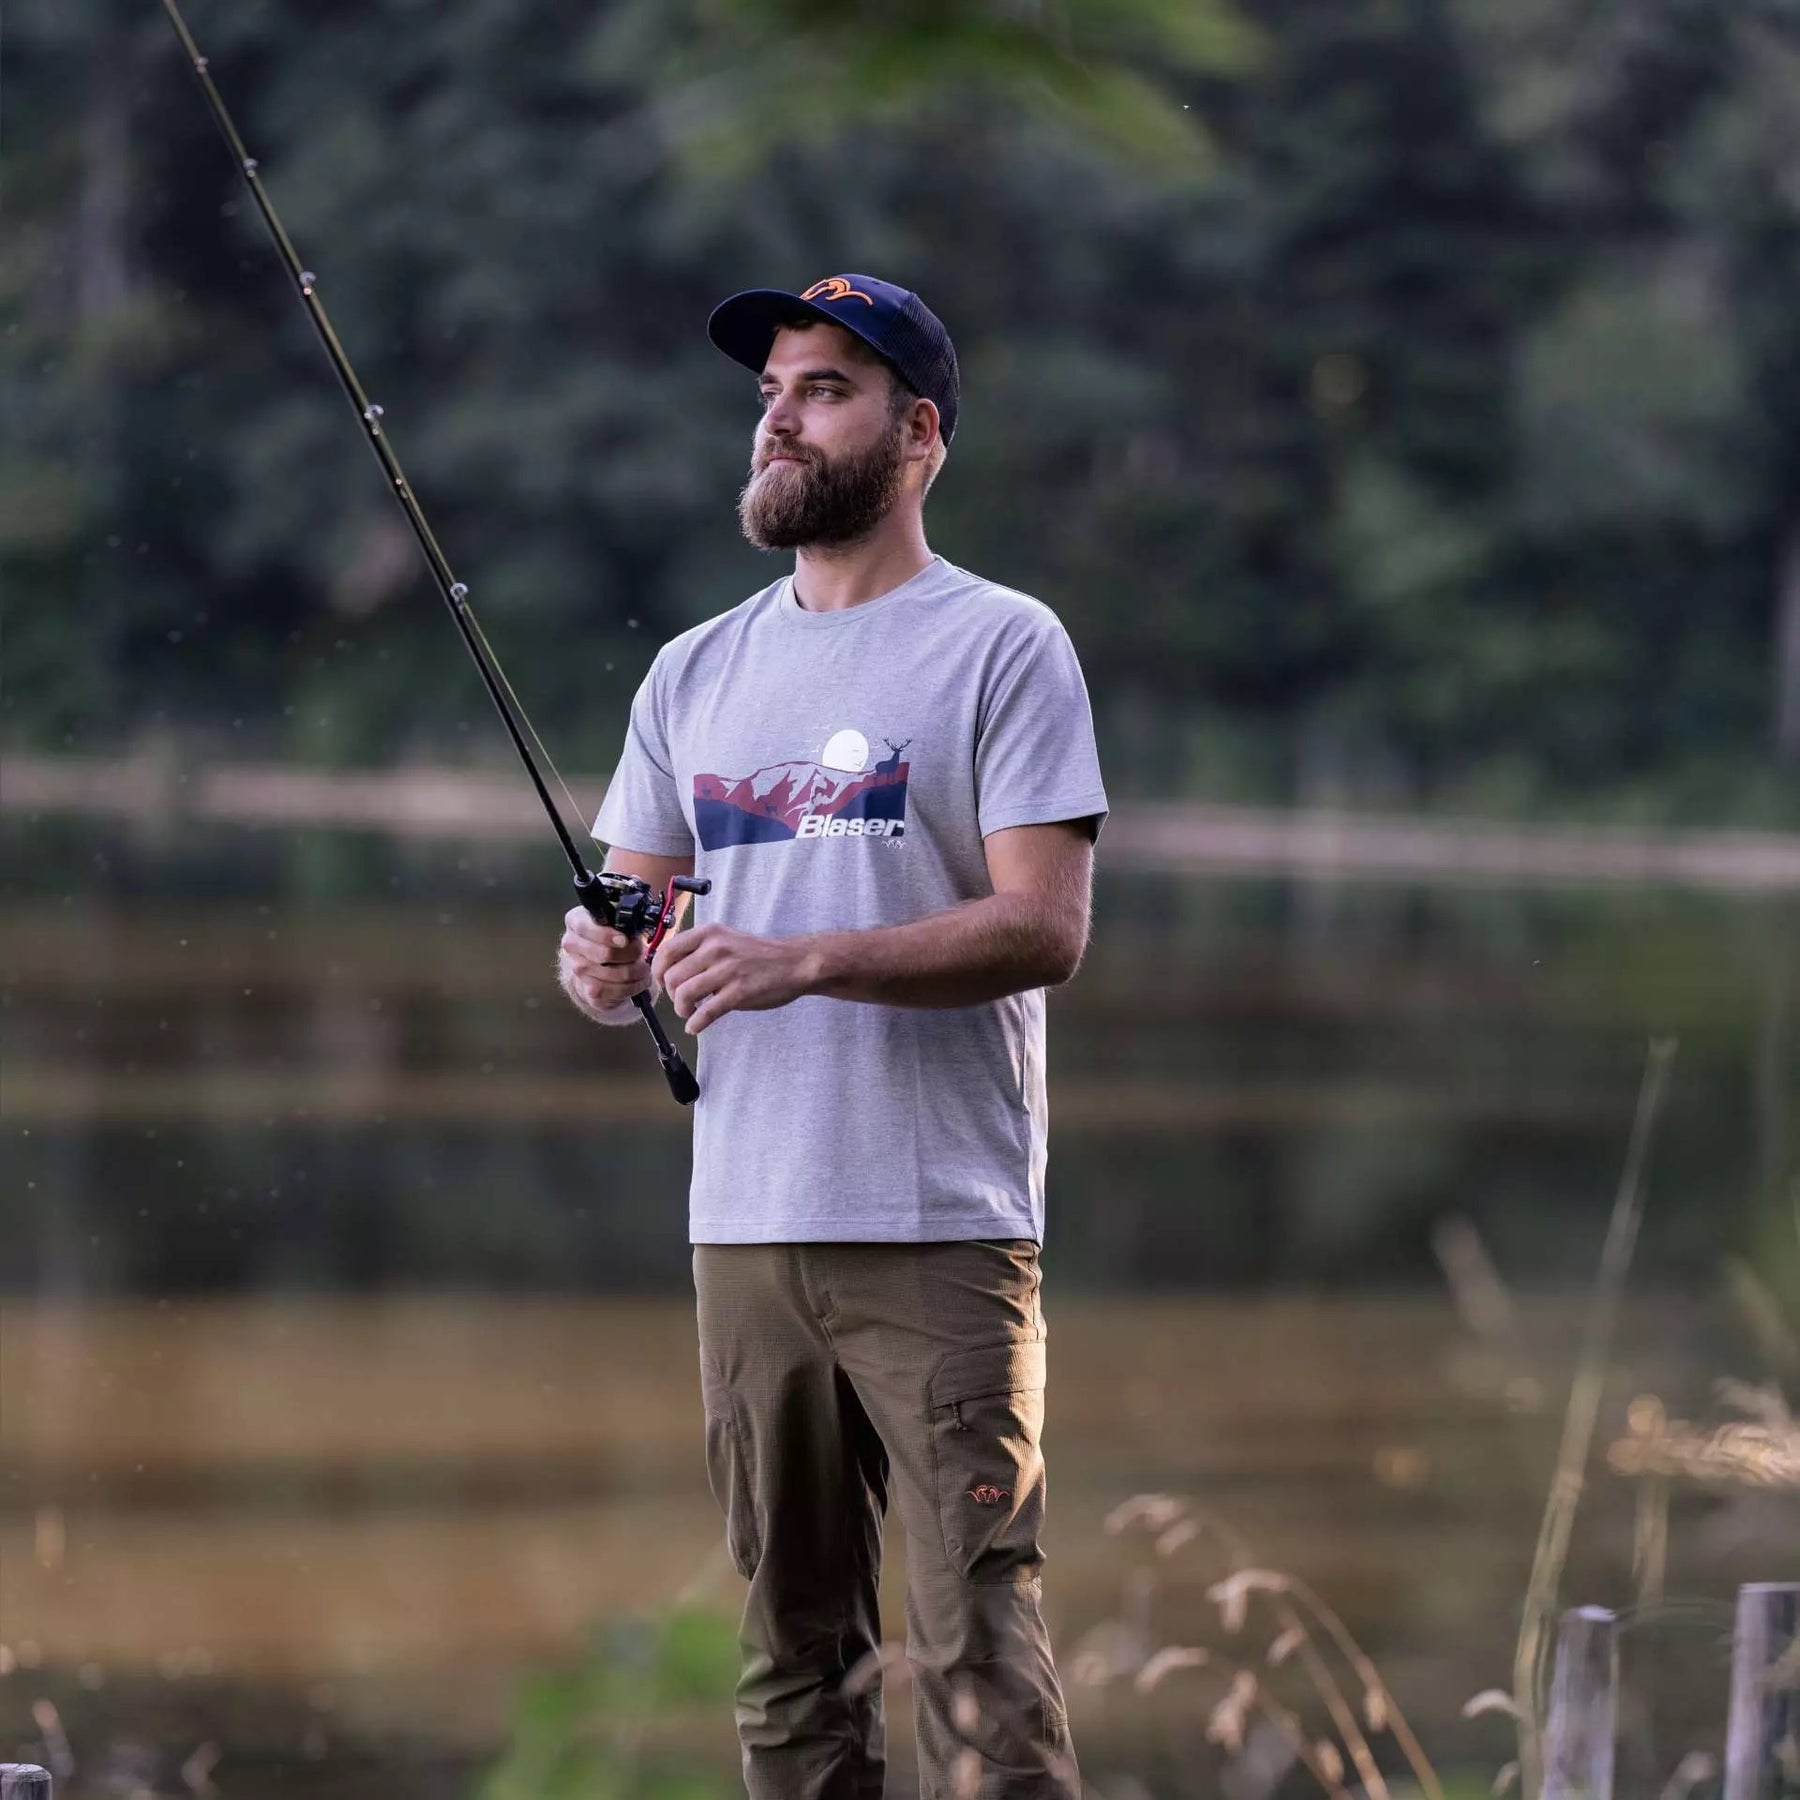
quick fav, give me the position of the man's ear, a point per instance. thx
(921, 426)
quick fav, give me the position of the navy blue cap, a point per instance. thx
(898, 326)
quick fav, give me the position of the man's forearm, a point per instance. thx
(1003, 944)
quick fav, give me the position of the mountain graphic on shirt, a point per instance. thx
(769, 806)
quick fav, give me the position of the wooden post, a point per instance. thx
(1762, 1743)
(24, 1781)
(1584, 1707)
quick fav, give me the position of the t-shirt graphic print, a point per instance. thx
(838, 796)
(839, 771)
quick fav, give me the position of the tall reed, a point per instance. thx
(1569, 1476)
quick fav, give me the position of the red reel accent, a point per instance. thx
(662, 923)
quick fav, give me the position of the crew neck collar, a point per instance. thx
(788, 602)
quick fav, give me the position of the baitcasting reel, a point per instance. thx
(631, 905)
(626, 903)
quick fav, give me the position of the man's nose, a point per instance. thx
(781, 417)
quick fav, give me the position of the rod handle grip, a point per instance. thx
(680, 1077)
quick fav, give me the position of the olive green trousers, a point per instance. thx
(833, 1373)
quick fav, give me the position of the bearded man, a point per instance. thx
(869, 1142)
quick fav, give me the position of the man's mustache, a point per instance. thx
(777, 452)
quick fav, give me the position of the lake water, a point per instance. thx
(312, 1060)
(347, 1369)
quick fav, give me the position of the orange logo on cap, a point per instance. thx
(835, 287)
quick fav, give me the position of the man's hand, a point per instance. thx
(1028, 933)
(600, 969)
(711, 970)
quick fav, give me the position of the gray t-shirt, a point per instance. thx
(837, 770)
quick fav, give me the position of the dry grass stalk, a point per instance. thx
(965, 1709)
(1762, 1312)
(1118, 1647)
(965, 1774)
(1760, 1451)
(1693, 1769)
(196, 1772)
(1295, 1638)
(1177, 1523)
(57, 1751)
(1764, 1400)
(1650, 1543)
(1180, 1534)
(1155, 1512)
(1322, 1760)
(1490, 1700)
(1111, 1649)
(1227, 1722)
(1742, 1453)
(1227, 1726)
(869, 1668)
(1165, 1662)
(1580, 1417)
(1477, 1290)
(1380, 1710)
(1292, 1637)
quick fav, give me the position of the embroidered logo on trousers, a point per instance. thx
(984, 1493)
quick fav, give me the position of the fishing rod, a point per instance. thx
(622, 902)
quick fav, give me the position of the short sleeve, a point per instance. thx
(642, 808)
(1035, 760)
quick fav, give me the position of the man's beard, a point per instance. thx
(821, 503)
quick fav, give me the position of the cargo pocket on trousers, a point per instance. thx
(987, 1416)
(728, 1474)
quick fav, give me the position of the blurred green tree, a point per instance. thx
(1390, 400)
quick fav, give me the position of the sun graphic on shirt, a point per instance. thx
(848, 752)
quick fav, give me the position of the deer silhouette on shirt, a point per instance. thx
(890, 765)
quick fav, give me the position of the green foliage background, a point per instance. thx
(609, 1726)
(1395, 397)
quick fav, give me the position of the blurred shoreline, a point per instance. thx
(158, 792)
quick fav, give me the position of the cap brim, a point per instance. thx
(744, 326)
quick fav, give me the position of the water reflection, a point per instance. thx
(213, 1082)
(348, 1364)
